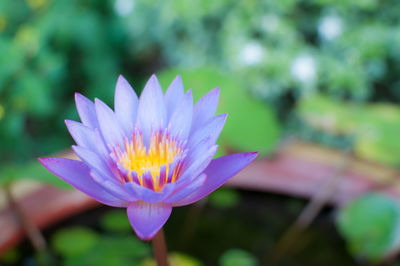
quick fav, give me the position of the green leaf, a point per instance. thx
(175, 259)
(10, 257)
(116, 221)
(237, 257)
(112, 251)
(376, 127)
(224, 198)
(124, 246)
(370, 225)
(74, 241)
(251, 125)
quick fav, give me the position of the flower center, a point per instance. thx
(139, 160)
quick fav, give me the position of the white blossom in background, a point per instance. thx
(252, 53)
(330, 27)
(270, 23)
(124, 7)
(303, 69)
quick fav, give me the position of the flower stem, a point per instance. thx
(160, 248)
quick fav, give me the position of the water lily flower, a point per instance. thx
(148, 155)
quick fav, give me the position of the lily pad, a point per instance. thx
(116, 221)
(237, 257)
(375, 127)
(224, 198)
(74, 241)
(176, 259)
(370, 224)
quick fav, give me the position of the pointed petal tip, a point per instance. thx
(216, 90)
(153, 78)
(254, 154)
(68, 122)
(178, 78)
(250, 156)
(44, 160)
(121, 79)
(79, 97)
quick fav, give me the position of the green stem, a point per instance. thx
(160, 248)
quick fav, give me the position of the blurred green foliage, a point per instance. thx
(237, 257)
(116, 221)
(174, 258)
(370, 224)
(83, 246)
(224, 198)
(375, 127)
(279, 51)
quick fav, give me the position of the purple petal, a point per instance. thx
(205, 108)
(181, 119)
(212, 128)
(101, 145)
(86, 111)
(77, 174)
(151, 111)
(93, 160)
(125, 104)
(218, 172)
(108, 122)
(186, 189)
(198, 151)
(196, 166)
(173, 95)
(148, 195)
(83, 135)
(148, 218)
(116, 189)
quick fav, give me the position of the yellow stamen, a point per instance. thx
(162, 150)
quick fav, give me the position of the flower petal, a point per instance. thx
(212, 128)
(114, 188)
(205, 108)
(93, 160)
(148, 195)
(109, 125)
(148, 218)
(181, 119)
(83, 135)
(218, 172)
(86, 111)
(77, 174)
(186, 189)
(173, 95)
(125, 104)
(151, 110)
(196, 166)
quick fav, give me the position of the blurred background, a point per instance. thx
(325, 72)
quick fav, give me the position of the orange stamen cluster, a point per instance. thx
(163, 150)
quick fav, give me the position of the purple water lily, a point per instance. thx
(150, 154)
